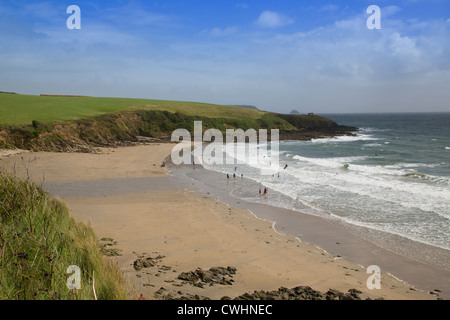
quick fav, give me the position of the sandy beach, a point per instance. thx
(162, 229)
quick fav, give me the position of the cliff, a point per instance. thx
(119, 129)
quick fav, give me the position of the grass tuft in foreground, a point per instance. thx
(39, 241)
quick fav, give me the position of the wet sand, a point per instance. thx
(178, 226)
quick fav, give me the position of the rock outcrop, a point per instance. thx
(215, 275)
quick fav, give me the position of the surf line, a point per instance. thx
(237, 150)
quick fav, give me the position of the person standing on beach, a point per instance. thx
(260, 190)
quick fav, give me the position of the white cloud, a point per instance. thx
(403, 46)
(271, 19)
(390, 11)
(348, 50)
(218, 32)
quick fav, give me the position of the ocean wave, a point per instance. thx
(377, 183)
(349, 163)
(378, 193)
(330, 162)
(447, 148)
(416, 175)
(339, 139)
(440, 181)
(362, 196)
(289, 155)
(414, 165)
(372, 145)
(421, 235)
(370, 129)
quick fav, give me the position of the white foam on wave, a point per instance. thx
(382, 194)
(330, 162)
(413, 165)
(373, 145)
(369, 129)
(360, 137)
(380, 184)
(358, 189)
(399, 169)
(404, 231)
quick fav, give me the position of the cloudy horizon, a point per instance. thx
(278, 56)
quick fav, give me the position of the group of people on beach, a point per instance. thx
(262, 190)
(266, 191)
(234, 175)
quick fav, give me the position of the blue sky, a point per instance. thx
(313, 56)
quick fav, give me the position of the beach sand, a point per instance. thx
(167, 229)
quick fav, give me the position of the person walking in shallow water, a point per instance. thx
(260, 190)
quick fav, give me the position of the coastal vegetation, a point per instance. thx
(62, 123)
(39, 241)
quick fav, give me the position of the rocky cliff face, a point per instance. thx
(112, 130)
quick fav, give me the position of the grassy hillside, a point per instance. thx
(55, 123)
(16, 109)
(39, 241)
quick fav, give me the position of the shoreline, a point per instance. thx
(337, 239)
(153, 227)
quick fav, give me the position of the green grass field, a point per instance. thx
(18, 109)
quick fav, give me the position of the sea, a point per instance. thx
(390, 180)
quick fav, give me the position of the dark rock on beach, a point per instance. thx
(216, 275)
(299, 293)
(149, 262)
